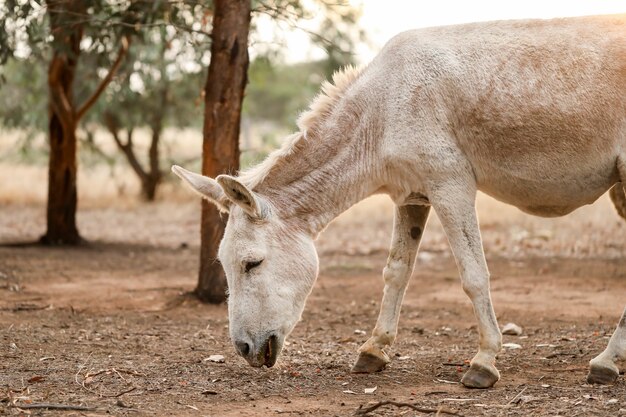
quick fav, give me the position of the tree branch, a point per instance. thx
(127, 148)
(106, 80)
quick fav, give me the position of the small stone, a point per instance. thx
(512, 329)
(215, 358)
(349, 392)
(511, 346)
(404, 358)
(370, 390)
(359, 331)
(612, 401)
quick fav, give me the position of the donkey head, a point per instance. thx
(270, 267)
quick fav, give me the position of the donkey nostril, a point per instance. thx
(243, 348)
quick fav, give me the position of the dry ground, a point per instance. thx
(108, 325)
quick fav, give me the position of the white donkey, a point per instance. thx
(530, 112)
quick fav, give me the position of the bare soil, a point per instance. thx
(110, 325)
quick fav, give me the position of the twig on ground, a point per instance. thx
(119, 374)
(90, 375)
(514, 399)
(26, 307)
(50, 406)
(445, 381)
(121, 393)
(130, 372)
(364, 411)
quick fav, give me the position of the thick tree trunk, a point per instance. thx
(62, 200)
(62, 197)
(222, 115)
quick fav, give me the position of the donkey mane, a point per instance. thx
(308, 122)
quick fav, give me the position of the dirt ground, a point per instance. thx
(109, 326)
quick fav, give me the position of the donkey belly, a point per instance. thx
(551, 189)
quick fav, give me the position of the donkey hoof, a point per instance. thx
(368, 363)
(480, 377)
(602, 375)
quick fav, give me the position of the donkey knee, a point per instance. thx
(396, 273)
(476, 285)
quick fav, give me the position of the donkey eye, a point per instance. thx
(252, 264)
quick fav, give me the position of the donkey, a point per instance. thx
(531, 112)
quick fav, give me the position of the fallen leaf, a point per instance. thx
(349, 392)
(36, 378)
(358, 331)
(215, 358)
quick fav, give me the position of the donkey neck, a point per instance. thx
(327, 171)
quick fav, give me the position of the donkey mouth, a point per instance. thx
(270, 351)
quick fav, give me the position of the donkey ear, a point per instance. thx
(242, 196)
(207, 187)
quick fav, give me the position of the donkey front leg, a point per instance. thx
(455, 207)
(603, 369)
(408, 226)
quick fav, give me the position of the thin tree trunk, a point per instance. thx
(62, 199)
(153, 179)
(222, 115)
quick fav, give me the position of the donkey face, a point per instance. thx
(270, 269)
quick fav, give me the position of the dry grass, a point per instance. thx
(99, 184)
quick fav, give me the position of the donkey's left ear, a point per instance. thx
(245, 198)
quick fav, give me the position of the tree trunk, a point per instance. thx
(62, 200)
(66, 25)
(153, 179)
(222, 115)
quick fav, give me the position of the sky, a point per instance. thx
(382, 19)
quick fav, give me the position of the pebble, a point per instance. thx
(215, 358)
(512, 329)
(511, 346)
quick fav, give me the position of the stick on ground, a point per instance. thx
(54, 407)
(364, 411)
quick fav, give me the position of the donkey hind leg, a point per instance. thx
(618, 197)
(454, 204)
(409, 222)
(603, 369)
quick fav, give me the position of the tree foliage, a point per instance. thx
(159, 82)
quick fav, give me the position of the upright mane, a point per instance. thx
(308, 122)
